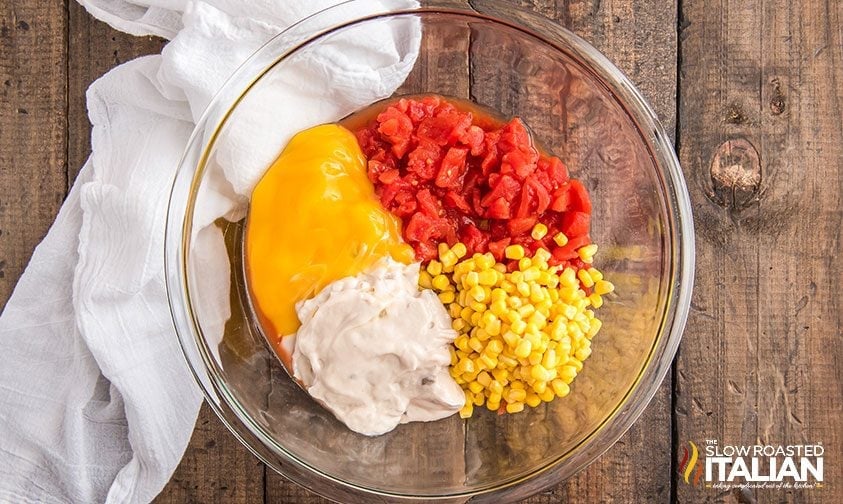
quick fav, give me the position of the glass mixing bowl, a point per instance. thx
(578, 106)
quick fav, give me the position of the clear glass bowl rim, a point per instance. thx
(679, 229)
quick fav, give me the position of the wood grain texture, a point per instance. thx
(33, 135)
(760, 142)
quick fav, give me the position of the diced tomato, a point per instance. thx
(453, 199)
(428, 205)
(451, 175)
(575, 224)
(560, 200)
(578, 195)
(521, 226)
(507, 188)
(423, 159)
(389, 176)
(452, 169)
(499, 209)
(473, 138)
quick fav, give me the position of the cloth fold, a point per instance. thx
(96, 402)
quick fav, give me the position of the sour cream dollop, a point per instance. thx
(373, 350)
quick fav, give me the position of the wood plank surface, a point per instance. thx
(33, 132)
(761, 88)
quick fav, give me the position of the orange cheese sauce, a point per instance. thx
(313, 219)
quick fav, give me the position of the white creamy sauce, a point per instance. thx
(373, 350)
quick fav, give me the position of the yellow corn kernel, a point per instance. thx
(494, 327)
(447, 297)
(493, 406)
(459, 250)
(518, 326)
(523, 288)
(500, 376)
(547, 395)
(560, 239)
(467, 410)
(514, 252)
(507, 361)
(498, 307)
(477, 293)
(475, 344)
(538, 372)
(539, 231)
(567, 373)
(488, 361)
(542, 255)
(475, 318)
(488, 277)
(462, 343)
(466, 366)
(568, 278)
(442, 248)
(485, 261)
(583, 354)
(458, 324)
(494, 346)
(596, 324)
(434, 268)
(596, 275)
(587, 253)
(596, 300)
(495, 387)
(514, 407)
(549, 360)
(512, 340)
(516, 395)
(478, 306)
(475, 387)
(485, 378)
(449, 260)
(602, 287)
(425, 280)
(524, 264)
(535, 357)
(585, 278)
(479, 399)
(560, 388)
(539, 387)
(533, 399)
(440, 282)
(481, 334)
(471, 279)
(526, 311)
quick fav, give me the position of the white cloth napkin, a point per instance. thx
(96, 402)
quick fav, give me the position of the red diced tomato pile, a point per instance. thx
(453, 176)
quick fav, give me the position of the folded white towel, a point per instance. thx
(96, 403)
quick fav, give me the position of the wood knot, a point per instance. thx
(777, 102)
(736, 174)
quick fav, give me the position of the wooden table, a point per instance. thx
(752, 92)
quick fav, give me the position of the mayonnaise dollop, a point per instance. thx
(373, 350)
